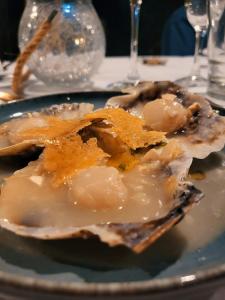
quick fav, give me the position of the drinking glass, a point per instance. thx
(133, 76)
(197, 16)
(216, 49)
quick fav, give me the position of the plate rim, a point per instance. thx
(111, 288)
(156, 286)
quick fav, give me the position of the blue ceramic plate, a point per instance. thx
(88, 269)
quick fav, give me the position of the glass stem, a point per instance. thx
(135, 6)
(196, 66)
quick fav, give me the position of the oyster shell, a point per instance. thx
(135, 206)
(202, 134)
(11, 141)
(136, 235)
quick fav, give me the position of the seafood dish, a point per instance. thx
(186, 117)
(119, 172)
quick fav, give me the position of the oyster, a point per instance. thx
(186, 117)
(14, 142)
(73, 190)
(103, 175)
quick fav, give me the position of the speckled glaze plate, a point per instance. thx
(88, 269)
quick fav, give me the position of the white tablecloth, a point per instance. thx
(114, 69)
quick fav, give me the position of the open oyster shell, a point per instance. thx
(203, 135)
(12, 143)
(135, 235)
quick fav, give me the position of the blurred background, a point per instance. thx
(115, 16)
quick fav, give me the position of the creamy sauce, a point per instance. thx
(134, 196)
(201, 225)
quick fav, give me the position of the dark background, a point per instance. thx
(115, 18)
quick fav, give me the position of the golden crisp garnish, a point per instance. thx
(170, 187)
(128, 128)
(56, 127)
(109, 144)
(123, 161)
(69, 155)
(120, 154)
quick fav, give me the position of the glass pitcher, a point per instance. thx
(73, 49)
(216, 48)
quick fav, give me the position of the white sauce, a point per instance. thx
(93, 196)
(205, 221)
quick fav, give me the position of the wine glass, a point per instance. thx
(197, 16)
(133, 76)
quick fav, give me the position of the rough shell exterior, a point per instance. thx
(203, 135)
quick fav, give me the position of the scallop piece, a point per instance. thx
(188, 118)
(121, 208)
(13, 143)
(106, 190)
(165, 114)
(136, 97)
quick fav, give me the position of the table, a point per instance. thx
(115, 69)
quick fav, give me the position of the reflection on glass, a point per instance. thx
(216, 49)
(196, 11)
(133, 75)
(73, 50)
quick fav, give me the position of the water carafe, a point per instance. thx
(73, 49)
